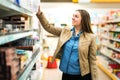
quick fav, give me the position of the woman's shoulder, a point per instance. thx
(67, 28)
(92, 35)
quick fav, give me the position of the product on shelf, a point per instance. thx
(14, 23)
(9, 61)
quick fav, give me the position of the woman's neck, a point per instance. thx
(77, 30)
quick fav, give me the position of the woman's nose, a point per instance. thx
(72, 18)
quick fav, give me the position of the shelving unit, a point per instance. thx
(110, 45)
(8, 8)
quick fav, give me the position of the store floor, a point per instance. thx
(51, 74)
(55, 74)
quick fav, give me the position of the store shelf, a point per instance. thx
(114, 39)
(112, 76)
(114, 30)
(11, 37)
(116, 60)
(105, 29)
(113, 21)
(117, 30)
(23, 75)
(8, 8)
(112, 47)
(118, 40)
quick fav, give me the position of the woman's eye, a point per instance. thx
(76, 16)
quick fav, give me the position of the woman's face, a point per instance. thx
(76, 19)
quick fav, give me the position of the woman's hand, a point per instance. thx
(38, 12)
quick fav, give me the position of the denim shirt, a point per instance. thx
(70, 59)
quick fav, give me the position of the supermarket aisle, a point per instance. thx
(55, 74)
(50, 74)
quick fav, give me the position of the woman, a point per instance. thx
(76, 47)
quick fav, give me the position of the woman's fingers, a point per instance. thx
(39, 9)
(38, 12)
